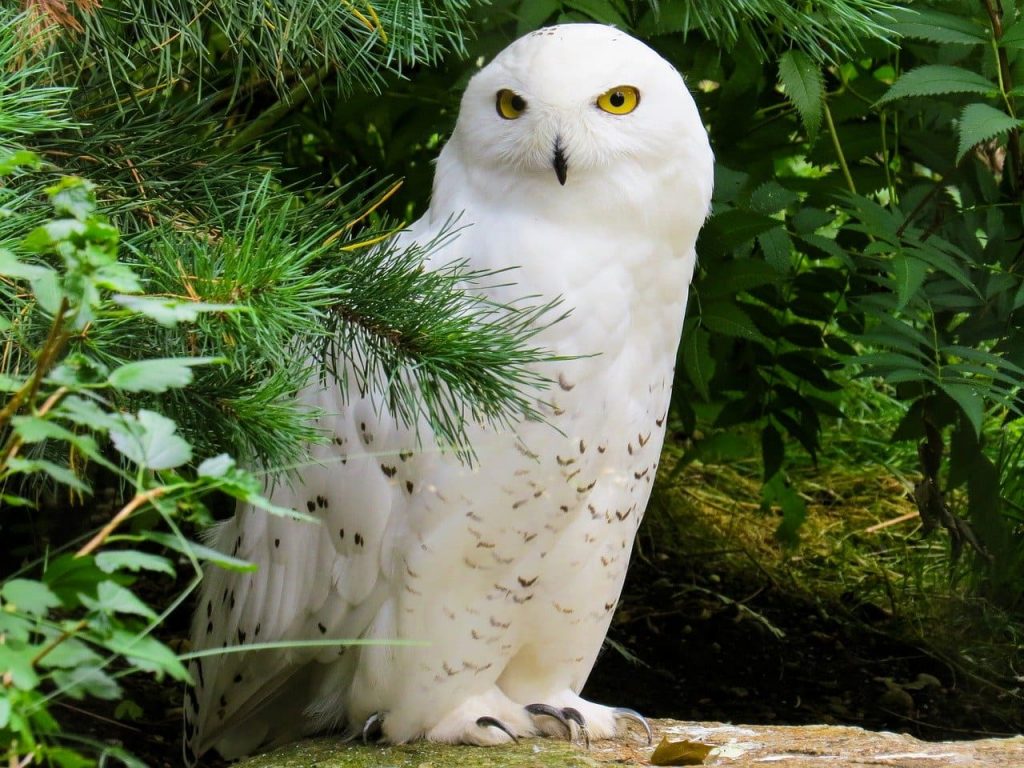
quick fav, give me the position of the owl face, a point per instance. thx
(576, 103)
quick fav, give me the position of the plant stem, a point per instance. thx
(1005, 86)
(47, 355)
(296, 97)
(66, 634)
(839, 148)
(125, 512)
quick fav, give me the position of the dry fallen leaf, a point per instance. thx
(680, 753)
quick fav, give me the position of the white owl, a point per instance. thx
(579, 159)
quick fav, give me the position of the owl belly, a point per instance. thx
(511, 568)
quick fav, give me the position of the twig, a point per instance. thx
(66, 634)
(894, 521)
(120, 517)
(1005, 86)
(51, 348)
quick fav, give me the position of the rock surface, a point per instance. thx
(735, 746)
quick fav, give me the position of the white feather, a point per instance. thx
(507, 572)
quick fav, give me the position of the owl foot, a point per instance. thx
(373, 728)
(567, 717)
(632, 716)
(493, 722)
(594, 721)
(504, 721)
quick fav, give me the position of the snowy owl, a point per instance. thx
(578, 159)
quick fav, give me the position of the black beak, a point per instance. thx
(560, 163)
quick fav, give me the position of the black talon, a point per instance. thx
(575, 716)
(557, 714)
(622, 713)
(492, 722)
(373, 728)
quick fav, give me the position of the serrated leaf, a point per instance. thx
(29, 596)
(69, 653)
(980, 122)
(730, 229)
(909, 274)
(112, 598)
(216, 466)
(150, 441)
(726, 278)
(11, 266)
(937, 80)
(937, 27)
(147, 654)
(1013, 37)
(61, 474)
(87, 681)
(970, 401)
(802, 83)
(169, 312)
(17, 664)
(73, 196)
(157, 375)
(726, 318)
(132, 560)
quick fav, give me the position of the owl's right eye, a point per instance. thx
(510, 104)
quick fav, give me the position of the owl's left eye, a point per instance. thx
(510, 104)
(620, 100)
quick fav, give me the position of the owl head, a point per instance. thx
(575, 104)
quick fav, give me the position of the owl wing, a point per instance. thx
(314, 581)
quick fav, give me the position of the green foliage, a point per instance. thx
(866, 224)
(70, 623)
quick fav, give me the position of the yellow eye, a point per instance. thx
(620, 100)
(510, 104)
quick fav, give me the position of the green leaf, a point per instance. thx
(801, 80)
(11, 266)
(149, 441)
(112, 598)
(727, 277)
(726, 318)
(87, 681)
(18, 465)
(777, 492)
(970, 401)
(132, 560)
(5, 701)
(169, 312)
(730, 229)
(18, 664)
(12, 161)
(29, 596)
(157, 375)
(936, 80)
(697, 360)
(147, 654)
(980, 122)
(69, 653)
(74, 197)
(216, 466)
(937, 27)
(531, 14)
(909, 274)
(1013, 37)
(603, 11)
